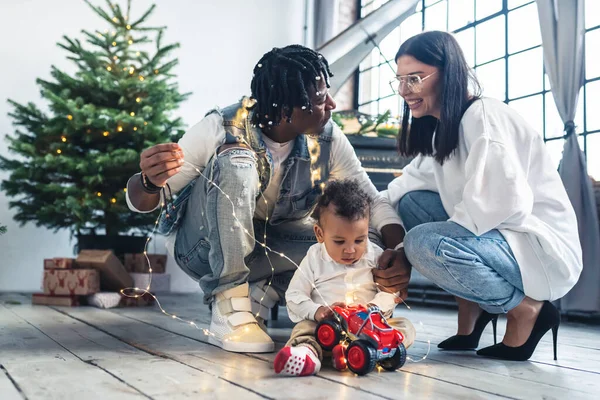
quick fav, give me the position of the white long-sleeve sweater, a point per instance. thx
(351, 284)
(501, 177)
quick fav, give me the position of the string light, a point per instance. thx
(125, 190)
(115, 19)
(59, 151)
(114, 43)
(137, 53)
(131, 70)
(105, 133)
(137, 292)
(109, 68)
(128, 27)
(99, 194)
(70, 117)
(115, 58)
(130, 41)
(113, 200)
(132, 114)
(141, 78)
(138, 99)
(119, 128)
(135, 128)
(156, 71)
(64, 139)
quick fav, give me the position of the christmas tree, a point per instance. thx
(73, 162)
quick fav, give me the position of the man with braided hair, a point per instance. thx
(264, 162)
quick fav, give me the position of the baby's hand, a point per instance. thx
(326, 312)
(322, 313)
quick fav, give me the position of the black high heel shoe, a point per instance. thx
(470, 342)
(549, 318)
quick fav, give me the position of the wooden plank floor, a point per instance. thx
(75, 353)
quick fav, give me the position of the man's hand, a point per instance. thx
(160, 162)
(393, 272)
(325, 312)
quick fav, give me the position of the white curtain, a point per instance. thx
(562, 27)
(325, 21)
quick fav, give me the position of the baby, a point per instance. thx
(340, 267)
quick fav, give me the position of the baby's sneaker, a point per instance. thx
(296, 361)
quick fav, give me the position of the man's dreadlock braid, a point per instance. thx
(280, 82)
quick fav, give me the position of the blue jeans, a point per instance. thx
(213, 249)
(481, 269)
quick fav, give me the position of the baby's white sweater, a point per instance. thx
(351, 284)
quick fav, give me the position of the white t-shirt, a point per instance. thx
(201, 141)
(279, 153)
(351, 284)
(502, 177)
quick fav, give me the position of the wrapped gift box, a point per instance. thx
(59, 262)
(138, 263)
(113, 276)
(46, 300)
(160, 282)
(70, 282)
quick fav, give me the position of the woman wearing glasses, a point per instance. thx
(486, 214)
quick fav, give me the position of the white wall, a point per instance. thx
(220, 43)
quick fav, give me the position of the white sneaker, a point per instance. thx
(234, 327)
(263, 299)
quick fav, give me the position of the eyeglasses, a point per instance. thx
(414, 83)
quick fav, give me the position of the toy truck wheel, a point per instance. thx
(361, 357)
(328, 334)
(396, 361)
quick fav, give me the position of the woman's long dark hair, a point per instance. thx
(441, 50)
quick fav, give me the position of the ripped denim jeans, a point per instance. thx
(213, 249)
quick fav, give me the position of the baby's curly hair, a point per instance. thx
(350, 201)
